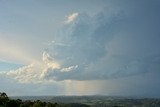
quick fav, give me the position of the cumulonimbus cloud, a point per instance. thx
(105, 46)
(110, 44)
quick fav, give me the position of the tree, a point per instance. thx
(38, 103)
(50, 105)
(3, 99)
(3, 95)
(12, 103)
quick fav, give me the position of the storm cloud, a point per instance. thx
(113, 43)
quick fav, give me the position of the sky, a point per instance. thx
(87, 47)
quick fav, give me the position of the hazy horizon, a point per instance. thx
(87, 47)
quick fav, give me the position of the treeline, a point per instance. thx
(5, 101)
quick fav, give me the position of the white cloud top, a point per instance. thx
(71, 18)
